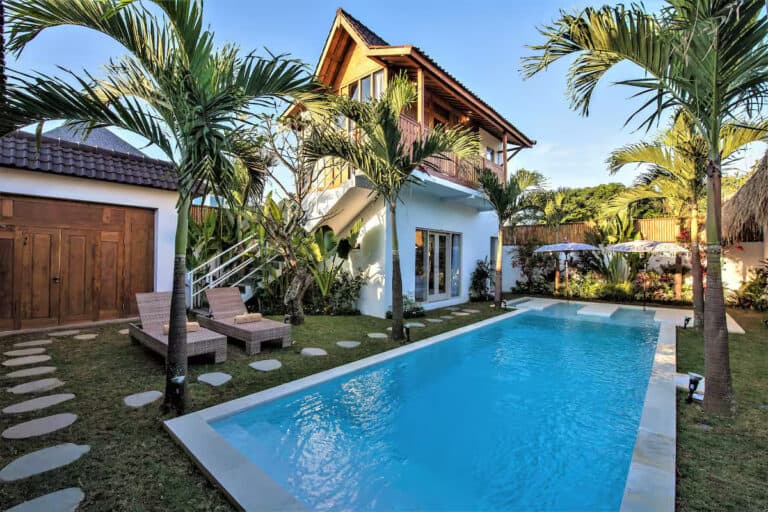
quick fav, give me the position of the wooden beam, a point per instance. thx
(504, 152)
(420, 100)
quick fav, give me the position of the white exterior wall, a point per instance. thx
(371, 259)
(53, 186)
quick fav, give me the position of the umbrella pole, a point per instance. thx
(567, 281)
(645, 284)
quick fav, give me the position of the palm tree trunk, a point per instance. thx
(499, 256)
(397, 280)
(176, 359)
(718, 398)
(696, 275)
(294, 295)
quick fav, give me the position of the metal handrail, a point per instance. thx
(220, 279)
(214, 258)
(217, 269)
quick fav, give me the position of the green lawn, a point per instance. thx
(133, 463)
(726, 468)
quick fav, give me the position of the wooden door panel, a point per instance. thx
(78, 248)
(7, 289)
(110, 271)
(139, 268)
(39, 264)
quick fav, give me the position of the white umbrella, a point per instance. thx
(566, 247)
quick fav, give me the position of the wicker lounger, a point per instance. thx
(155, 311)
(225, 304)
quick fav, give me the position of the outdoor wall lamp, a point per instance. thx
(693, 384)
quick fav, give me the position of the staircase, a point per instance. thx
(237, 266)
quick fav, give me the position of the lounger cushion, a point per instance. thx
(248, 318)
(191, 327)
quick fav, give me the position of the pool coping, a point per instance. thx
(650, 482)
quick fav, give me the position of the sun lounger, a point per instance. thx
(225, 304)
(155, 312)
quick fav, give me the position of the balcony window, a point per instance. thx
(489, 154)
(378, 84)
(365, 90)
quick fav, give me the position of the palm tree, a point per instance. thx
(512, 206)
(706, 57)
(382, 153)
(554, 212)
(174, 88)
(677, 175)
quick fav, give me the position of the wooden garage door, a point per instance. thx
(67, 262)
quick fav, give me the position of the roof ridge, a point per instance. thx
(370, 37)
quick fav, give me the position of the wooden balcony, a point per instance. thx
(459, 170)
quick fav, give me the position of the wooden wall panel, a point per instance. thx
(110, 266)
(77, 270)
(139, 256)
(7, 250)
(38, 261)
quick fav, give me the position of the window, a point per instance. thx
(365, 90)
(437, 265)
(489, 154)
(378, 84)
(368, 87)
(354, 89)
(500, 158)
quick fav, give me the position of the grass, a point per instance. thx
(726, 468)
(133, 463)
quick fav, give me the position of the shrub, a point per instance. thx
(478, 284)
(411, 309)
(753, 294)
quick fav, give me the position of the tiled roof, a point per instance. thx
(20, 150)
(98, 137)
(370, 37)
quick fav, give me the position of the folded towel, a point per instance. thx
(191, 327)
(248, 318)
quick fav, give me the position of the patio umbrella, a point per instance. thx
(566, 247)
(646, 246)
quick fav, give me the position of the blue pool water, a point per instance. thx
(536, 412)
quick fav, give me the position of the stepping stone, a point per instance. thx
(348, 344)
(215, 379)
(63, 334)
(21, 361)
(459, 313)
(453, 308)
(33, 343)
(40, 426)
(433, 320)
(266, 365)
(38, 403)
(378, 335)
(36, 386)
(313, 352)
(446, 317)
(471, 310)
(65, 500)
(414, 324)
(84, 337)
(42, 460)
(25, 352)
(141, 399)
(30, 372)
(389, 329)
(122, 331)
(704, 427)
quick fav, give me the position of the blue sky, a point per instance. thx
(479, 43)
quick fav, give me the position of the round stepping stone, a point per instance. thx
(122, 331)
(414, 324)
(389, 329)
(25, 352)
(36, 386)
(453, 308)
(65, 500)
(63, 334)
(33, 343)
(313, 352)
(30, 372)
(84, 337)
(141, 399)
(377, 335)
(433, 320)
(348, 344)
(42, 460)
(40, 426)
(21, 361)
(446, 317)
(459, 313)
(266, 365)
(215, 379)
(38, 403)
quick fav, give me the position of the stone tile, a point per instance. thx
(30, 372)
(433, 320)
(377, 335)
(141, 399)
(25, 352)
(65, 500)
(453, 308)
(414, 324)
(459, 313)
(36, 386)
(313, 352)
(39, 426)
(348, 344)
(266, 365)
(471, 310)
(446, 317)
(21, 361)
(215, 379)
(64, 334)
(123, 331)
(42, 460)
(33, 343)
(37, 404)
(86, 337)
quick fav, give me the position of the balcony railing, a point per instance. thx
(460, 170)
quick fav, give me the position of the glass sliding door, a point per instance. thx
(438, 263)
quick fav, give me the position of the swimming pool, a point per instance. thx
(539, 411)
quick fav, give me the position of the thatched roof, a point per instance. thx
(747, 209)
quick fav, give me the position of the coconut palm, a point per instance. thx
(554, 212)
(175, 88)
(677, 175)
(706, 57)
(382, 153)
(512, 205)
